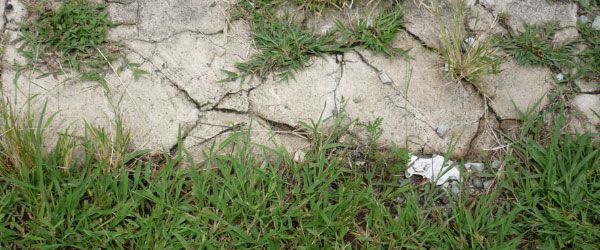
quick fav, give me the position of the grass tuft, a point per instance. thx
(377, 33)
(589, 58)
(70, 38)
(534, 46)
(465, 60)
(554, 176)
(285, 47)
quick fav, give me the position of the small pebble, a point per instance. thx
(442, 130)
(488, 184)
(487, 3)
(477, 183)
(477, 167)
(584, 19)
(455, 189)
(496, 164)
(469, 41)
(385, 79)
(299, 156)
(596, 23)
(560, 77)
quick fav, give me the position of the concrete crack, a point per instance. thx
(179, 89)
(184, 135)
(409, 107)
(235, 127)
(414, 36)
(337, 85)
(196, 32)
(4, 9)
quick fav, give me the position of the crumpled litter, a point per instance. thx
(432, 169)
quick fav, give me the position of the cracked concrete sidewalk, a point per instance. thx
(185, 45)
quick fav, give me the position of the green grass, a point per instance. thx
(71, 38)
(464, 61)
(110, 197)
(317, 5)
(589, 59)
(377, 33)
(534, 46)
(285, 48)
(285, 45)
(554, 176)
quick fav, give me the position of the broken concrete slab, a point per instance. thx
(423, 24)
(216, 126)
(124, 13)
(159, 19)
(184, 45)
(194, 62)
(311, 94)
(521, 12)
(420, 101)
(588, 86)
(518, 87)
(588, 106)
(150, 107)
(14, 13)
(236, 102)
(480, 21)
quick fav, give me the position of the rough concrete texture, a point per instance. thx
(413, 106)
(311, 94)
(522, 12)
(150, 108)
(185, 45)
(588, 107)
(424, 24)
(518, 86)
(216, 126)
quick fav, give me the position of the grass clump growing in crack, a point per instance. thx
(534, 46)
(285, 47)
(588, 66)
(317, 5)
(467, 58)
(377, 34)
(70, 38)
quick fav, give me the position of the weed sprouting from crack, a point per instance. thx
(465, 60)
(589, 58)
(69, 39)
(286, 46)
(318, 5)
(534, 46)
(378, 33)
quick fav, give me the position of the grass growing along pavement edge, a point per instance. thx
(546, 196)
(285, 45)
(71, 39)
(535, 46)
